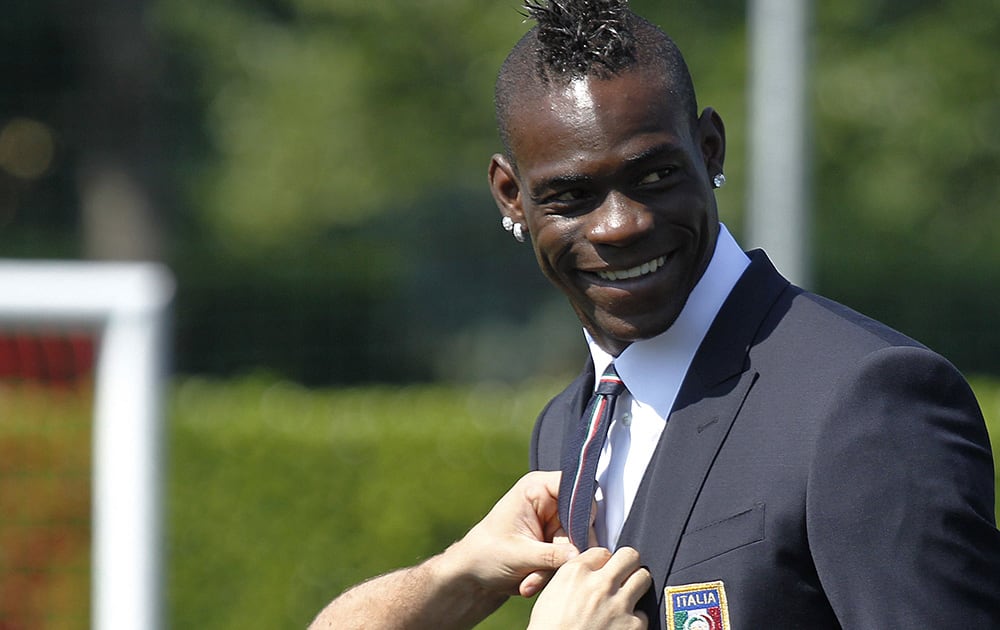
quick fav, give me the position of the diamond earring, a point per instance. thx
(518, 231)
(719, 180)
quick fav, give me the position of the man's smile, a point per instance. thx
(633, 272)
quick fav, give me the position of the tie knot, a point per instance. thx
(610, 384)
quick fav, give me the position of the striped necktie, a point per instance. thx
(579, 463)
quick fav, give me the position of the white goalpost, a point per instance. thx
(127, 306)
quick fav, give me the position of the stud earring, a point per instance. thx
(719, 180)
(514, 228)
(518, 231)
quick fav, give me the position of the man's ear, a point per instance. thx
(712, 140)
(505, 188)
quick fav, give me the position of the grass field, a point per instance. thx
(278, 496)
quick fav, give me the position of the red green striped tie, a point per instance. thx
(579, 463)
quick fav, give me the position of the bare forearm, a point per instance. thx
(435, 595)
(503, 554)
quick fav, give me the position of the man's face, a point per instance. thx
(613, 184)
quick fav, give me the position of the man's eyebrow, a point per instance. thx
(558, 182)
(652, 153)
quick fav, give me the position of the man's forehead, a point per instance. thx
(581, 90)
(580, 94)
(583, 100)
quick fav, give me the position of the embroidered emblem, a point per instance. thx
(697, 607)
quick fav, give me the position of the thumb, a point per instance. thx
(547, 557)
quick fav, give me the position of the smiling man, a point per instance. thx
(778, 460)
(612, 178)
(614, 188)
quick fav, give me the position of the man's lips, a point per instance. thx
(633, 272)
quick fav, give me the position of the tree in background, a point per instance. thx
(80, 124)
(315, 172)
(908, 151)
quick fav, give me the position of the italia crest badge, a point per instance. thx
(697, 607)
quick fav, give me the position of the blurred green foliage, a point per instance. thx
(353, 137)
(908, 148)
(988, 393)
(322, 175)
(323, 114)
(280, 497)
(322, 181)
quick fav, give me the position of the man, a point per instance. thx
(778, 460)
(510, 551)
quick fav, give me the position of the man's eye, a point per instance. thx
(569, 196)
(656, 176)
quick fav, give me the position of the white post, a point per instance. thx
(778, 199)
(127, 303)
(128, 459)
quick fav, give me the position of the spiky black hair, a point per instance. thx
(576, 35)
(587, 38)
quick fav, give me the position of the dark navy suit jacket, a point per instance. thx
(831, 472)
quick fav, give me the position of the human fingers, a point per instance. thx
(541, 495)
(525, 509)
(643, 620)
(623, 563)
(636, 585)
(547, 479)
(553, 556)
(509, 543)
(541, 487)
(587, 594)
(534, 582)
(589, 561)
(594, 558)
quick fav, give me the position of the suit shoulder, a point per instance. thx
(803, 324)
(863, 324)
(815, 346)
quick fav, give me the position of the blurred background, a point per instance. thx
(314, 174)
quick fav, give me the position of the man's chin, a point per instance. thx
(614, 334)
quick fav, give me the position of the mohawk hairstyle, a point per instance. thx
(576, 35)
(586, 38)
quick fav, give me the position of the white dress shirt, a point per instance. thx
(653, 370)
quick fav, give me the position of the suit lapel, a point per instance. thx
(717, 383)
(673, 480)
(583, 388)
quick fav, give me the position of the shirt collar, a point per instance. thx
(654, 368)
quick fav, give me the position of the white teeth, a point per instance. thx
(634, 272)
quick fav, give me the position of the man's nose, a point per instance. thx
(619, 221)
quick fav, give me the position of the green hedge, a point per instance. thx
(280, 497)
(988, 392)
